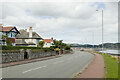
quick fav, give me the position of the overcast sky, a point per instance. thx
(73, 22)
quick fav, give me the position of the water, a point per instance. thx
(111, 51)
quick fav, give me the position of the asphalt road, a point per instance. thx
(62, 67)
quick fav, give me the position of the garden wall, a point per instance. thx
(12, 56)
(22, 55)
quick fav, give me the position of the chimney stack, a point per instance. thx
(1, 27)
(0, 24)
(30, 32)
(25, 30)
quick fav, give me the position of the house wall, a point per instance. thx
(47, 44)
(11, 35)
(0, 35)
(32, 40)
(35, 41)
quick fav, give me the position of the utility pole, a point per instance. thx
(102, 31)
(93, 39)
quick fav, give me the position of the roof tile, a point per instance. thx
(48, 40)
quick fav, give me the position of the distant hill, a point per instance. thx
(106, 45)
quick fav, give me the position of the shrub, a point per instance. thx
(18, 47)
(67, 48)
(10, 51)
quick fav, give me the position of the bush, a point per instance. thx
(36, 51)
(18, 47)
(67, 48)
(10, 51)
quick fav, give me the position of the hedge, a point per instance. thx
(18, 47)
(24, 47)
(10, 51)
(15, 49)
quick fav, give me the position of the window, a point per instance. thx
(11, 34)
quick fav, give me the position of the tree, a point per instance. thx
(67, 48)
(63, 45)
(4, 37)
(8, 41)
(57, 43)
(41, 44)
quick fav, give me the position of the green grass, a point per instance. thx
(111, 65)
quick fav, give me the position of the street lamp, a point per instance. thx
(102, 32)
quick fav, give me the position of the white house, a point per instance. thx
(48, 42)
(27, 38)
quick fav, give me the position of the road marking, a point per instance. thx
(33, 69)
(58, 62)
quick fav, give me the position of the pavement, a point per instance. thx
(65, 66)
(96, 69)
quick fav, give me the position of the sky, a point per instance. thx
(72, 22)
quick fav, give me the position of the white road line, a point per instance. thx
(58, 62)
(33, 69)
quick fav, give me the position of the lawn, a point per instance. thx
(111, 67)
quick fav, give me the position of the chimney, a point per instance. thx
(1, 27)
(0, 24)
(30, 32)
(25, 30)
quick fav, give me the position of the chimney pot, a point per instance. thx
(0, 24)
(30, 28)
(25, 30)
(30, 32)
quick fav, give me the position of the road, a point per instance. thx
(62, 67)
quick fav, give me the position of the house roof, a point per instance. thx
(25, 35)
(7, 29)
(48, 40)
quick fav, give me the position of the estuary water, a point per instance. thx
(111, 51)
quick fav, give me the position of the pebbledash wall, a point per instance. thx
(20, 55)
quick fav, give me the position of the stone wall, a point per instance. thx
(66, 52)
(19, 56)
(39, 54)
(13, 56)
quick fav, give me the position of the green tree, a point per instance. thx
(4, 37)
(67, 48)
(8, 41)
(41, 44)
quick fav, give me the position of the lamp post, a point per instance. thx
(93, 40)
(102, 32)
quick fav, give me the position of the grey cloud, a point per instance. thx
(68, 21)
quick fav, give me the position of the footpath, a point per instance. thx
(96, 69)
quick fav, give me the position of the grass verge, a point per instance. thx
(111, 65)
